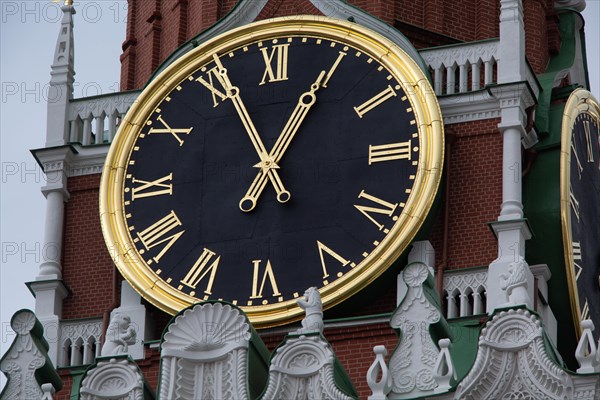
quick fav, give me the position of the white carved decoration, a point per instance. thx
(303, 369)
(459, 287)
(22, 360)
(512, 363)
(444, 372)
(79, 342)
(587, 353)
(379, 388)
(413, 361)
(467, 58)
(48, 391)
(113, 379)
(119, 335)
(515, 283)
(313, 309)
(204, 354)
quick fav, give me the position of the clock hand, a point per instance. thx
(305, 102)
(267, 165)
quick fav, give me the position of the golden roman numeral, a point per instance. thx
(152, 188)
(375, 101)
(322, 248)
(158, 233)
(172, 131)
(279, 57)
(217, 73)
(576, 258)
(574, 204)
(574, 151)
(588, 141)
(585, 311)
(387, 152)
(388, 209)
(257, 292)
(201, 268)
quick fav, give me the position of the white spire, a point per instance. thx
(61, 81)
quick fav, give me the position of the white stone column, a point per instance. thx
(514, 97)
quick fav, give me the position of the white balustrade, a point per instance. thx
(95, 120)
(79, 341)
(465, 59)
(464, 291)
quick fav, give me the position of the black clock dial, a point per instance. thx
(279, 156)
(585, 213)
(342, 145)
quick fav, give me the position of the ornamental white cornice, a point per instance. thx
(461, 54)
(467, 107)
(107, 104)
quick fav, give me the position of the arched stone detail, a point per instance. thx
(303, 367)
(512, 362)
(412, 364)
(113, 379)
(26, 362)
(204, 354)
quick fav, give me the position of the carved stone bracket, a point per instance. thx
(206, 354)
(303, 367)
(114, 378)
(512, 342)
(26, 363)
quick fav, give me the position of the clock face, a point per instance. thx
(282, 156)
(582, 206)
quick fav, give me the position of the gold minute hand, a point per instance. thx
(305, 102)
(267, 165)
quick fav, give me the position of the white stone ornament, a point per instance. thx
(313, 309)
(514, 282)
(303, 368)
(116, 378)
(413, 362)
(26, 360)
(379, 387)
(119, 335)
(512, 342)
(444, 372)
(587, 353)
(204, 354)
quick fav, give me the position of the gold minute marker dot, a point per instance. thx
(358, 53)
(295, 295)
(179, 287)
(148, 122)
(234, 302)
(245, 48)
(280, 299)
(265, 302)
(402, 204)
(318, 41)
(325, 282)
(365, 254)
(158, 271)
(352, 264)
(376, 243)
(304, 40)
(340, 274)
(332, 44)
(249, 302)
(290, 40)
(167, 99)
(178, 88)
(415, 134)
(409, 109)
(169, 280)
(414, 163)
(127, 202)
(395, 217)
(386, 230)
(274, 41)
(205, 297)
(345, 48)
(403, 98)
(380, 68)
(132, 228)
(192, 293)
(126, 190)
(389, 77)
(415, 149)
(149, 261)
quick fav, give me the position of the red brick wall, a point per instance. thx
(475, 195)
(87, 265)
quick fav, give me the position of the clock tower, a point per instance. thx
(412, 178)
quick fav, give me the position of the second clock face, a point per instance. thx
(273, 166)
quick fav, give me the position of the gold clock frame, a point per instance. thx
(431, 143)
(580, 101)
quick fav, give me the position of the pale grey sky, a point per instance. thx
(28, 33)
